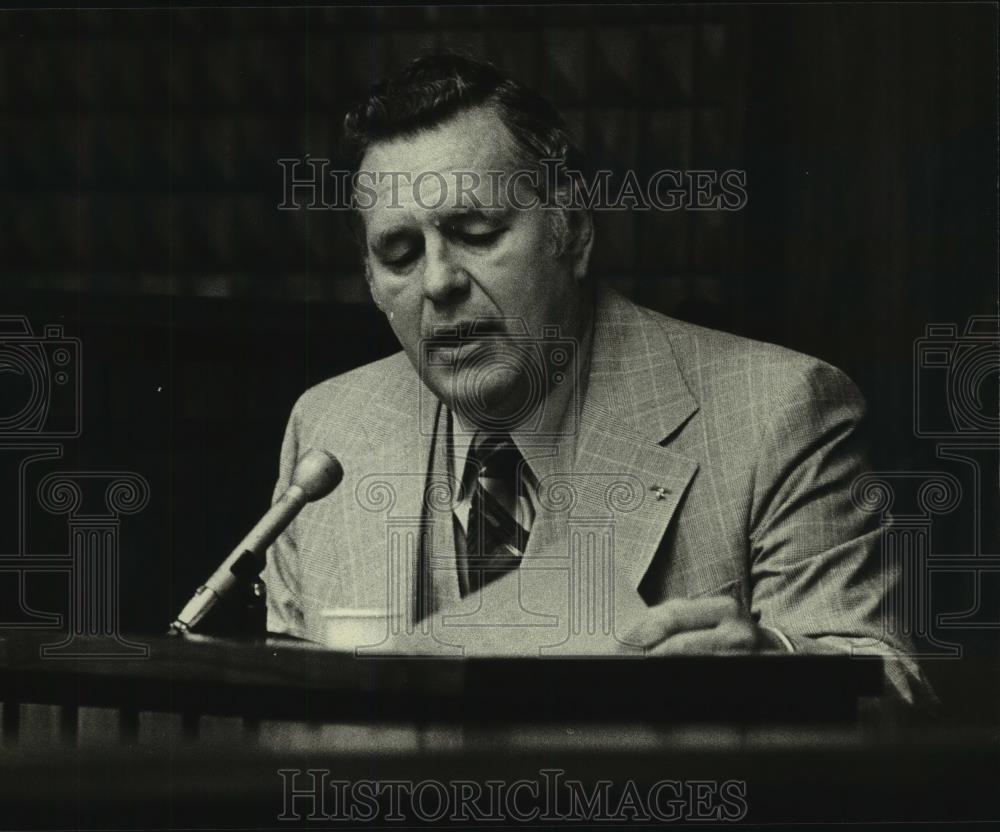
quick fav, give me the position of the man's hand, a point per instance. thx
(703, 625)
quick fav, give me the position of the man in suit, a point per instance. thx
(546, 466)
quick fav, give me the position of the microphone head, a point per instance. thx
(317, 473)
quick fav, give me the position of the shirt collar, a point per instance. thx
(461, 441)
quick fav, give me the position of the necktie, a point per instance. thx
(495, 541)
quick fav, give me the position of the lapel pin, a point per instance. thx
(659, 491)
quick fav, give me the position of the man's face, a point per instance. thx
(457, 249)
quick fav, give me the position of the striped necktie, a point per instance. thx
(495, 541)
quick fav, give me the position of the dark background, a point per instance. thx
(138, 192)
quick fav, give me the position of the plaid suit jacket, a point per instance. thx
(704, 464)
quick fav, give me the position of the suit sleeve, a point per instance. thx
(817, 573)
(281, 572)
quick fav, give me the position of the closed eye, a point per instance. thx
(399, 251)
(403, 260)
(482, 238)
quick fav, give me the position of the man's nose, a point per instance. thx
(445, 279)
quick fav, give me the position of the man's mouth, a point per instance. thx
(451, 335)
(464, 343)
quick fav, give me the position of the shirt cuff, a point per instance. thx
(781, 637)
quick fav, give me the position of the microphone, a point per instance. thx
(315, 476)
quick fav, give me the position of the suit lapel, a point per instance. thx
(636, 399)
(387, 536)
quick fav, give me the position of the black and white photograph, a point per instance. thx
(504, 416)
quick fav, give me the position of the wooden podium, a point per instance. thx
(214, 734)
(194, 678)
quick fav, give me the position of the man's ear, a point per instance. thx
(581, 225)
